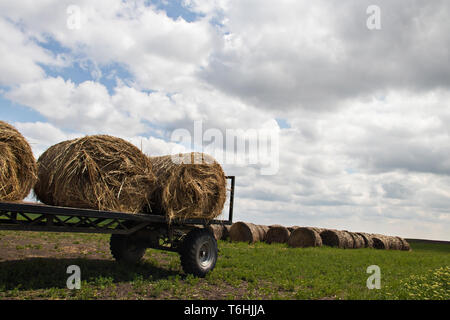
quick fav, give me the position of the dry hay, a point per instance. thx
(336, 238)
(358, 240)
(18, 171)
(95, 172)
(305, 237)
(191, 185)
(278, 234)
(394, 243)
(389, 242)
(246, 232)
(226, 232)
(217, 230)
(350, 241)
(405, 244)
(318, 230)
(262, 230)
(292, 228)
(380, 241)
(368, 243)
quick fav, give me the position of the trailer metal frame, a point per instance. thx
(131, 233)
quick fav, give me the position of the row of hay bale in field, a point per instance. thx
(311, 237)
(239, 231)
(308, 237)
(102, 172)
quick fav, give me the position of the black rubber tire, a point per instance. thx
(193, 251)
(124, 250)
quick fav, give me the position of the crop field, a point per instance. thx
(34, 265)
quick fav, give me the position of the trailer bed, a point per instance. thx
(40, 217)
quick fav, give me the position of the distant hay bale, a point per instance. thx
(226, 232)
(246, 232)
(191, 185)
(368, 243)
(336, 238)
(350, 241)
(380, 241)
(262, 230)
(318, 230)
(292, 228)
(217, 230)
(278, 234)
(303, 237)
(18, 171)
(394, 243)
(405, 244)
(358, 240)
(95, 172)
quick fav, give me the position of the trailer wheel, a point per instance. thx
(123, 249)
(198, 252)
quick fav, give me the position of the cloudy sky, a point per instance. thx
(359, 99)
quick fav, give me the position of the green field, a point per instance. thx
(33, 266)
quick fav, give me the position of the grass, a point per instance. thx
(33, 266)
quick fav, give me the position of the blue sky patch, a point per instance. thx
(175, 9)
(86, 70)
(14, 112)
(283, 123)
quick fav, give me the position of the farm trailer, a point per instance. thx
(131, 234)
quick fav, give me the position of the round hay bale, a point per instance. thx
(245, 232)
(368, 243)
(18, 170)
(349, 238)
(191, 185)
(318, 230)
(262, 230)
(95, 172)
(405, 244)
(292, 228)
(278, 234)
(44, 188)
(226, 232)
(358, 240)
(275, 226)
(303, 237)
(336, 238)
(217, 230)
(394, 243)
(380, 241)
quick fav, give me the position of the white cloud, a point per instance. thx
(42, 135)
(376, 166)
(86, 107)
(162, 53)
(368, 142)
(290, 55)
(21, 56)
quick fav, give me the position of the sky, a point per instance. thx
(354, 94)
